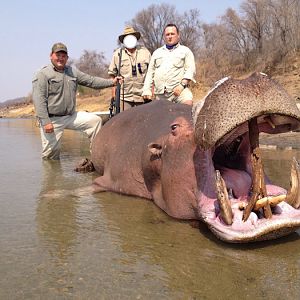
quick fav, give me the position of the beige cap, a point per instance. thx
(129, 30)
(59, 47)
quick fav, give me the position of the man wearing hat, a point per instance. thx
(54, 99)
(133, 61)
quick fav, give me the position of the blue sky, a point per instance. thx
(28, 29)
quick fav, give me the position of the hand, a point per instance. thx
(178, 90)
(118, 79)
(147, 97)
(49, 128)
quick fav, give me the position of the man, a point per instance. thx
(133, 68)
(54, 99)
(171, 69)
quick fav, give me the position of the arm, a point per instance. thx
(149, 80)
(189, 73)
(189, 67)
(93, 81)
(40, 98)
(113, 72)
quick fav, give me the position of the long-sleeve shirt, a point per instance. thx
(133, 68)
(168, 67)
(54, 92)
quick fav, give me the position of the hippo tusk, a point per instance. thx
(261, 203)
(272, 201)
(258, 181)
(223, 199)
(293, 195)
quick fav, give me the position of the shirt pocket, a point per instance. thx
(142, 67)
(55, 85)
(157, 62)
(72, 82)
(126, 68)
(179, 61)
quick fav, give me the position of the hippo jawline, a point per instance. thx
(247, 206)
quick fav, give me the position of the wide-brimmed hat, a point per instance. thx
(129, 30)
(59, 47)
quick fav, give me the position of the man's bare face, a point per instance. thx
(59, 59)
(171, 36)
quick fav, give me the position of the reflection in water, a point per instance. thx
(59, 241)
(56, 218)
(193, 264)
(278, 165)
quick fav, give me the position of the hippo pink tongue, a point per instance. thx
(240, 191)
(238, 181)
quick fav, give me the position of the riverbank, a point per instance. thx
(289, 80)
(90, 104)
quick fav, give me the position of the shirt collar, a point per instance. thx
(173, 46)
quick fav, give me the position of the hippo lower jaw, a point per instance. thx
(246, 209)
(282, 223)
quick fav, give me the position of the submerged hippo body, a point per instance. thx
(161, 152)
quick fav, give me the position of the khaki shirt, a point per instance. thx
(167, 68)
(55, 92)
(132, 86)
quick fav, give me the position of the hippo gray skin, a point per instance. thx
(205, 165)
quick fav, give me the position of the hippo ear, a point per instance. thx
(155, 149)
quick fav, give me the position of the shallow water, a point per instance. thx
(58, 241)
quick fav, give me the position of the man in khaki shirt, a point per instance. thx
(171, 69)
(54, 99)
(133, 68)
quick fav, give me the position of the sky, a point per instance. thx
(29, 28)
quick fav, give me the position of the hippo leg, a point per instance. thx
(102, 184)
(85, 166)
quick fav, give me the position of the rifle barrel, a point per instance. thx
(118, 88)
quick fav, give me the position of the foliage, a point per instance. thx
(150, 22)
(258, 37)
(263, 34)
(94, 64)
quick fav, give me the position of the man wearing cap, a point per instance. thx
(133, 68)
(171, 69)
(54, 99)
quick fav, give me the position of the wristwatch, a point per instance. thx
(185, 85)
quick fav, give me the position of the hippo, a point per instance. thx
(204, 163)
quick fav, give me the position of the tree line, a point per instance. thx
(260, 35)
(257, 37)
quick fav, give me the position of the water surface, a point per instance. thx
(58, 241)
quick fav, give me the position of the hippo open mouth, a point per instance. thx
(208, 168)
(246, 205)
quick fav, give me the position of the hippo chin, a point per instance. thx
(205, 164)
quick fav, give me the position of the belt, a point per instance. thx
(51, 115)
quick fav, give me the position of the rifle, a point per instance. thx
(114, 107)
(118, 88)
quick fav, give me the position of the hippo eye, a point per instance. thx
(174, 126)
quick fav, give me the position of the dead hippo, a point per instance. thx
(206, 166)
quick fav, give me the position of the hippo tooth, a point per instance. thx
(272, 201)
(293, 195)
(222, 196)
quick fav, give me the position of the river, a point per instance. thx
(59, 242)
